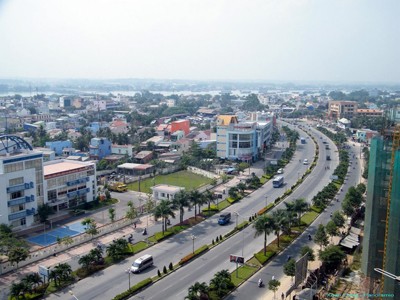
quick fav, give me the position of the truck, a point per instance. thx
(117, 187)
(224, 218)
(303, 140)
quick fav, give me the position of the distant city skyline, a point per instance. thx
(235, 40)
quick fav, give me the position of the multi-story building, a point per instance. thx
(243, 141)
(381, 244)
(369, 112)
(99, 148)
(21, 182)
(69, 183)
(342, 109)
(58, 146)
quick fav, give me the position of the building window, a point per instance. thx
(9, 168)
(16, 195)
(15, 181)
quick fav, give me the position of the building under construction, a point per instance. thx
(381, 243)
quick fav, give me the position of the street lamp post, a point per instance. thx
(193, 238)
(72, 294)
(266, 201)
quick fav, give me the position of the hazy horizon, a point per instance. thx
(244, 41)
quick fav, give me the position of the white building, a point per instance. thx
(165, 191)
(69, 183)
(21, 182)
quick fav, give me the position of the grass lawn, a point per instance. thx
(244, 273)
(309, 217)
(138, 246)
(223, 204)
(184, 179)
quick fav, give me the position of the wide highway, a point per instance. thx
(113, 280)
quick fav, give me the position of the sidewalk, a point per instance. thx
(286, 281)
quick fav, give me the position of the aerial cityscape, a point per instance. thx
(199, 150)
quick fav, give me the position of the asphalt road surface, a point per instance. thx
(114, 280)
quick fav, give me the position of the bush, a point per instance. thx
(165, 270)
(127, 294)
(265, 209)
(158, 273)
(220, 237)
(171, 266)
(190, 256)
(212, 242)
(217, 239)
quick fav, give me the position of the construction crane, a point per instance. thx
(395, 134)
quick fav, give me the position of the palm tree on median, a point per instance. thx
(281, 222)
(264, 225)
(164, 210)
(298, 206)
(180, 201)
(195, 199)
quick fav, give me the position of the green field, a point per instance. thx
(184, 179)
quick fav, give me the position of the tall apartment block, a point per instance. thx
(381, 243)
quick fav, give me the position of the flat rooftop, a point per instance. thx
(62, 167)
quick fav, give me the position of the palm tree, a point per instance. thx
(91, 226)
(264, 225)
(64, 271)
(194, 197)
(97, 255)
(34, 278)
(180, 201)
(280, 221)
(221, 282)
(209, 197)
(299, 206)
(17, 289)
(164, 210)
(198, 291)
(86, 260)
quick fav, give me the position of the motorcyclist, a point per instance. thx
(260, 282)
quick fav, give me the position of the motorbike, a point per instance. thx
(144, 232)
(260, 283)
(309, 237)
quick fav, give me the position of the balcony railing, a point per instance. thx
(20, 187)
(77, 181)
(21, 200)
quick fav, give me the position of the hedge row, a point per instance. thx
(137, 287)
(190, 256)
(265, 209)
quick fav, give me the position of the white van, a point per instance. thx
(142, 263)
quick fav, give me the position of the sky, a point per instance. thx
(283, 40)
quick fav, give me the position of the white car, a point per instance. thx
(280, 171)
(305, 162)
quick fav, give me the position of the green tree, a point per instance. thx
(331, 229)
(281, 222)
(240, 167)
(164, 210)
(197, 291)
(64, 271)
(289, 268)
(44, 212)
(338, 219)
(309, 251)
(361, 188)
(117, 249)
(195, 199)
(241, 187)
(17, 289)
(91, 226)
(347, 207)
(273, 285)
(221, 282)
(298, 206)
(332, 257)
(209, 198)
(180, 201)
(131, 213)
(264, 225)
(17, 254)
(320, 237)
(111, 214)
